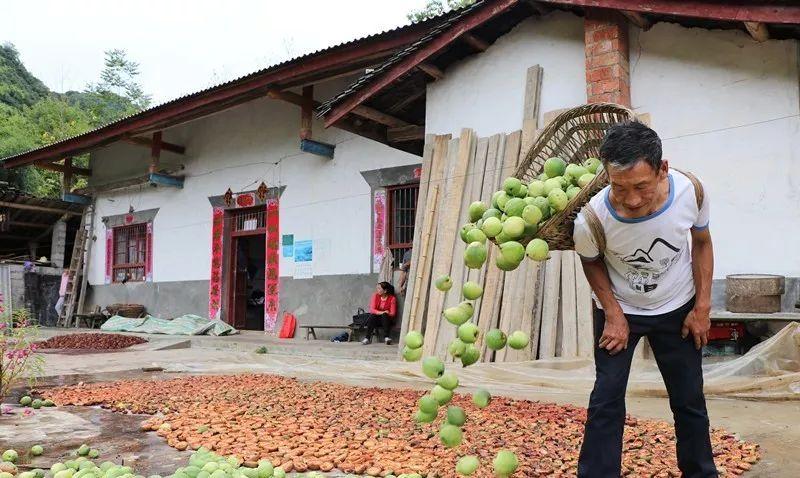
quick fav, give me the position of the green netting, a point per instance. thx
(184, 325)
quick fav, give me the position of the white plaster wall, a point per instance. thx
(486, 92)
(726, 108)
(325, 200)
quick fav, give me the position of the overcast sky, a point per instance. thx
(181, 45)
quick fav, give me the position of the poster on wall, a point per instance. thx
(287, 242)
(272, 276)
(379, 229)
(215, 284)
(109, 253)
(304, 259)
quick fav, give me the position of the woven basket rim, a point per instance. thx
(559, 219)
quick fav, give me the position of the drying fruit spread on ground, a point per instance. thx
(91, 341)
(305, 426)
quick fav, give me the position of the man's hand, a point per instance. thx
(615, 333)
(697, 323)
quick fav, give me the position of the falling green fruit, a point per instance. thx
(10, 456)
(584, 180)
(414, 340)
(501, 199)
(476, 235)
(512, 251)
(470, 356)
(448, 380)
(505, 463)
(476, 210)
(428, 404)
(422, 417)
(468, 308)
(36, 404)
(465, 229)
(468, 332)
(48, 403)
(496, 339)
(450, 435)
(37, 450)
(518, 340)
(467, 465)
(514, 207)
(491, 212)
(25, 401)
(503, 264)
(591, 165)
(456, 315)
(552, 184)
(536, 188)
(432, 367)
(482, 398)
(510, 185)
(444, 283)
(554, 167)
(441, 394)
(83, 450)
(457, 348)
(412, 355)
(492, 226)
(456, 416)
(514, 227)
(475, 255)
(471, 290)
(558, 199)
(532, 214)
(537, 250)
(575, 170)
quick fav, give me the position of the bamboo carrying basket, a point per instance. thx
(574, 136)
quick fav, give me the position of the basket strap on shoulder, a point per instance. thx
(699, 194)
(595, 226)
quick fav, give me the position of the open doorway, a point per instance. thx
(247, 271)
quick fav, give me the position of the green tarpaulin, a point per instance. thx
(184, 325)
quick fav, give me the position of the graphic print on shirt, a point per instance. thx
(646, 267)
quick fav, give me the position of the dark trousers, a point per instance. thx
(680, 365)
(379, 320)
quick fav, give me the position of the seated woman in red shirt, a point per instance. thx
(383, 308)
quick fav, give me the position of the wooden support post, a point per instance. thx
(155, 152)
(148, 143)
(758, 31)
(306, 112)
(405, 133)
(475, 42)
(66, 177)
(59, 168)
(432, 70)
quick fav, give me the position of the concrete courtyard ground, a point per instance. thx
(771, 424)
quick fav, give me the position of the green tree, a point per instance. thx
(119, 78)
(18, 87)
(31, 116)
(437, 7)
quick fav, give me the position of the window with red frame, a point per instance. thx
(130, 253)
(401, 209)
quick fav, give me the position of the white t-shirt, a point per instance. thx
(649, 259)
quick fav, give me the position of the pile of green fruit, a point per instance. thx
(202, 464)
(36, 403)
(518, 210)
